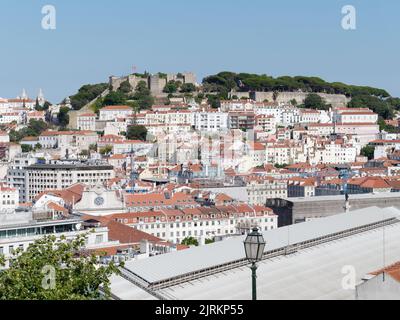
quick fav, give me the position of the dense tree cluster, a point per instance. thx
(86, 94)
(314, 101)
(243, 82)
(55, 269)
(33, 129)
(368, 151)
(136, 133)
(190, 241)
(63, 117)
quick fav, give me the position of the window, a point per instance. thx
(99, 238)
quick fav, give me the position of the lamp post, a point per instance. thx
(254, 247)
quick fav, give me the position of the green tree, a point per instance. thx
(55, 269)
(63, 117)
(314, 101)
(214, 101)
(38, 146)
(368, 151)
(97, 105)
(188, 88)
(136, 133)
(143, 96)
(210, 241)
(86, 94)
(114, 98)
(106, 150)
(381, 107)
(26, 148)
(125, 87)
(171, 87)
(190, 241)
(33, 129)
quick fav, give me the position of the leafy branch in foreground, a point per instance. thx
(55, 269)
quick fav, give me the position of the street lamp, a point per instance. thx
(254, 247)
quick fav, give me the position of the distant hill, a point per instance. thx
(218, 86)
(379, 100)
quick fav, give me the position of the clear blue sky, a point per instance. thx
(98, 38)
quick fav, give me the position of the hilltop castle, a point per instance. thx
(156, 83)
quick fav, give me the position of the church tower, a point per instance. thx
(40, 98)
(24, 96)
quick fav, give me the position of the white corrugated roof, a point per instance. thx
(380, 195)
(179, 263)
(312, 274)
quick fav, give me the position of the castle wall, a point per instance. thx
(336, 100)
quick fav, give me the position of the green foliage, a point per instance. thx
(253, 82)
(172, 86)
(214, 101)
(106, 150)
(188, 88)
(280, 166)
(34, 129)
(190, 241)
(115, 98)
(383, 108)
(136, 133)
(45, 106)
(314, 101)
(388, 128)
(63, 117)
(97, 105)
(394, 102)
(368, 151)
(143, 96)
(224, 82)
(125, 87)
(210, 241)
(133, 104)
(26, 148)
(86, 94)
(76, 273)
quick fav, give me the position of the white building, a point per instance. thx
(9, 117)
(210, 121)
(111, 113)
(200, 223)
(86, 121)
(354, 115)
(9, 199)
(260, 189)
(17, 175)
(61, 175)
(21, 229)
(380, 285)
